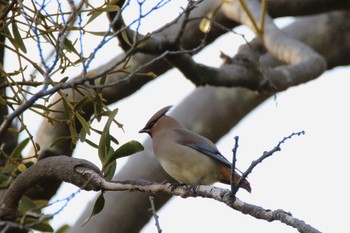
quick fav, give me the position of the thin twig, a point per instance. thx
(250, 16)
(262, 16)
(187, 11)
(154, 213)
(265, 155)
(233, 165)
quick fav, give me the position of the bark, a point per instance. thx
(57, 167)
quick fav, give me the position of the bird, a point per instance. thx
(187, 156)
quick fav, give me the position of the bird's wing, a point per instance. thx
(201, 144)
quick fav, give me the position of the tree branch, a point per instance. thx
(207, 191)
(61, 167)
(87, 176)
(245, 70)
(303, 63)
(265, 155)
(302, 7)
(298, 56)
(154, 213)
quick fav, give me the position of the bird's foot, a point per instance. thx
(194, 187)
(173, 186)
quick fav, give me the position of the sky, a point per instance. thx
(308, 178)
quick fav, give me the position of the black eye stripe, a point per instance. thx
(153, 123)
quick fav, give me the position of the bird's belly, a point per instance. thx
(189, 166)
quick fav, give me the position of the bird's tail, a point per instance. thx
(225, 177)
(245, 184)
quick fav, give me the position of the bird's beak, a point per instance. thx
(144, 130)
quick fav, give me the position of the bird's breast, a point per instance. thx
(185, 164)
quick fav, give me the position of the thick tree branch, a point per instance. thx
(303, 63)
(298, 56)
(156, 42)
(242, 70)
(302, 7)
(61, 168)
(87, 176)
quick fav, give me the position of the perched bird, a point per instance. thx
(186, 156)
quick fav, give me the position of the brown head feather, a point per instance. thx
(151, 122)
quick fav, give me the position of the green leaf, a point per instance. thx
(9, 168)
(67, 110)
(126, 38)
(5, 181)
(40, 106)
(43, 227)
(103, 80)
(60, 139)
(104, 146)
(144, 41)
(26, 204)
(83, 122)
(96, 131)
(62, 229)
(100, 33)
(16, 153)
(64, 79)
(7, 33)
(93, 16)
(110, 8)
(105, 139)
(98, 108)
(82, 135)
(18, 38)
(113, 139)
(96, 13)
(3, 178)
(73, 133)
(98, 207)
(69, 46)
(41, 202)
(91, 143)
(2, 101)
(127, 149)
(81, 103)
(109, 170)
(37, 146)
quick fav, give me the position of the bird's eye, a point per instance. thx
(152, 124)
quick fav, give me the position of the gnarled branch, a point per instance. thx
(61, 167)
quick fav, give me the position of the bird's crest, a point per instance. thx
(157, 116)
